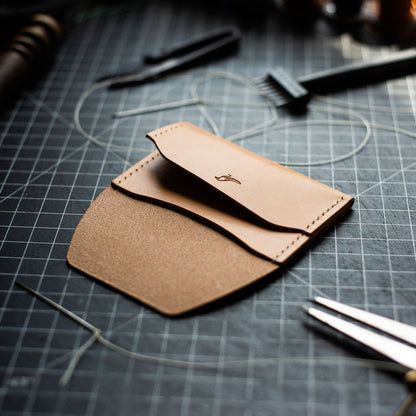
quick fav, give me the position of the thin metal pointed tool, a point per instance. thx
(67, 312)
(400, 352)
(395, 350)
(398, 329)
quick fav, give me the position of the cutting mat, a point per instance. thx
(50, 174)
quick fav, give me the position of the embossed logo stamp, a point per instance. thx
(227, 178)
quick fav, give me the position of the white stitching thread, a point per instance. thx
(143, 164)
(292, 243)
(334, 204)
(161, 131)
(146, 162)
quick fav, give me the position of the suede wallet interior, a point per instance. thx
(198, 219)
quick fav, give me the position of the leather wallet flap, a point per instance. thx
(277, 195)
(158, 179)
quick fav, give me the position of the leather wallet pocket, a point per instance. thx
(256, 212)
(270, 209)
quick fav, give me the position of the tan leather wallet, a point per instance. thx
(197, 219)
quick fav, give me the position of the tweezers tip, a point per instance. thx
(305, 308)
(319, 299)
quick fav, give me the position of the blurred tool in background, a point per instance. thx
(30, 33)
(300, 13)
(343, 14)
(393, 20)
(27, 52)
(382, 21)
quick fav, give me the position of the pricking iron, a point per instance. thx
(284, 90)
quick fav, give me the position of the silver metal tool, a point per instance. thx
(403, 353)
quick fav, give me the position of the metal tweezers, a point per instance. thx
(402, 353)
(210, 45)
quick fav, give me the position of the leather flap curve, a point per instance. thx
(161, 181)
(277, 195)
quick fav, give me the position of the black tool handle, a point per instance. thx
(209, 51)
(393, 66)
(191, 45)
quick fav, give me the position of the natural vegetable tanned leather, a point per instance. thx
(198, 219)
(277, 194)
(160, 180)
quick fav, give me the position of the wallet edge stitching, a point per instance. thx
(129, 173)
(318, 218)
(322, 214)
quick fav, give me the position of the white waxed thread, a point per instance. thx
(77, 112)
(156, 108)
(364, 107)
(264, 127)
(220, 364)
(195, 101)
(178, 104)
(364, 122)
(63, 381)
(243, 80)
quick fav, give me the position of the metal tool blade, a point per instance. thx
(395, 350)
(390, 326)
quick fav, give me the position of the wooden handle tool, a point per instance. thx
(26, 54)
